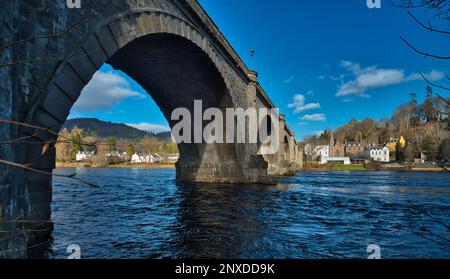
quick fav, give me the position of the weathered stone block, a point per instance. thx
(57, 103)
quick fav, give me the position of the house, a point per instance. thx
(173, 158)
(392, 144)
(336, 160)
(83, 155)
(136, 159)
(122, 155)
(322, 152)
(379, 154)
(354, 148)
(139, 159)
(422, 159)
(157, 158)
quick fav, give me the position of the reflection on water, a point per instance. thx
(141, 213)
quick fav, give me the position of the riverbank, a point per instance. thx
(116, 166)
(362, 167)
(338, 167)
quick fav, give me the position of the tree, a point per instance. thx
(399, 153)
(428, 108)
(100, 159)
(169, 148)
(430, 148)
(413, 111)
(385, 135)
(76, 138)
(112, 145)
(400, 121)
(444, 150)
(63, 147)
(130, 152)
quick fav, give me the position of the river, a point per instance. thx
(144, 213)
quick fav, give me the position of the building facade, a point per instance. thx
(380, 154)
(354, 148)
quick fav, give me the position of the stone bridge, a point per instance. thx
(48, 53)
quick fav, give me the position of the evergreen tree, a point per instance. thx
(428, 108)
(130, 152)
(414, 114)
(76, 138)
(112, 145)
(399, 153)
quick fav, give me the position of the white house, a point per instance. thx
(138, 159)
(157, 158)
(82, 155)
(173, 157)
(322, 152)
(379, 154)
(337, 160)
(122, 155)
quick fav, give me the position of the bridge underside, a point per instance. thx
(175, 72)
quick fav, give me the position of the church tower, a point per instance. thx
(331, 148)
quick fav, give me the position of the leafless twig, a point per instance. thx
(436, 85)
(27, 167)
(426, 54)
(429, 27)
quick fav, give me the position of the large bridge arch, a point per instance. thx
(170, 59)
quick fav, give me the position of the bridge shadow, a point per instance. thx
(222, 221)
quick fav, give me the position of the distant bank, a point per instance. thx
(321, 168)
(130, 166)
(371, 167)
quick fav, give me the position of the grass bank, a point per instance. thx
(354, 167)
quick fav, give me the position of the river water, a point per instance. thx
(144, 213)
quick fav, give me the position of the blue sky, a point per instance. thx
(323, 63)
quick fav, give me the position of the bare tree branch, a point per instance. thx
(422, 52)
(441, 8)
(435, 85)
(26, 167)
(429, 27)
(66, 139)
(18, 140)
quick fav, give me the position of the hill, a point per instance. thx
(104, 129)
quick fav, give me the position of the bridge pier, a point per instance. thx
(224, 173)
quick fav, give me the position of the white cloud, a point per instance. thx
(149, 127)
(368, 78)
(347, 100)
(289, 79)
(432, 76)
(299, 104)
(103, 92)
(319, 117)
